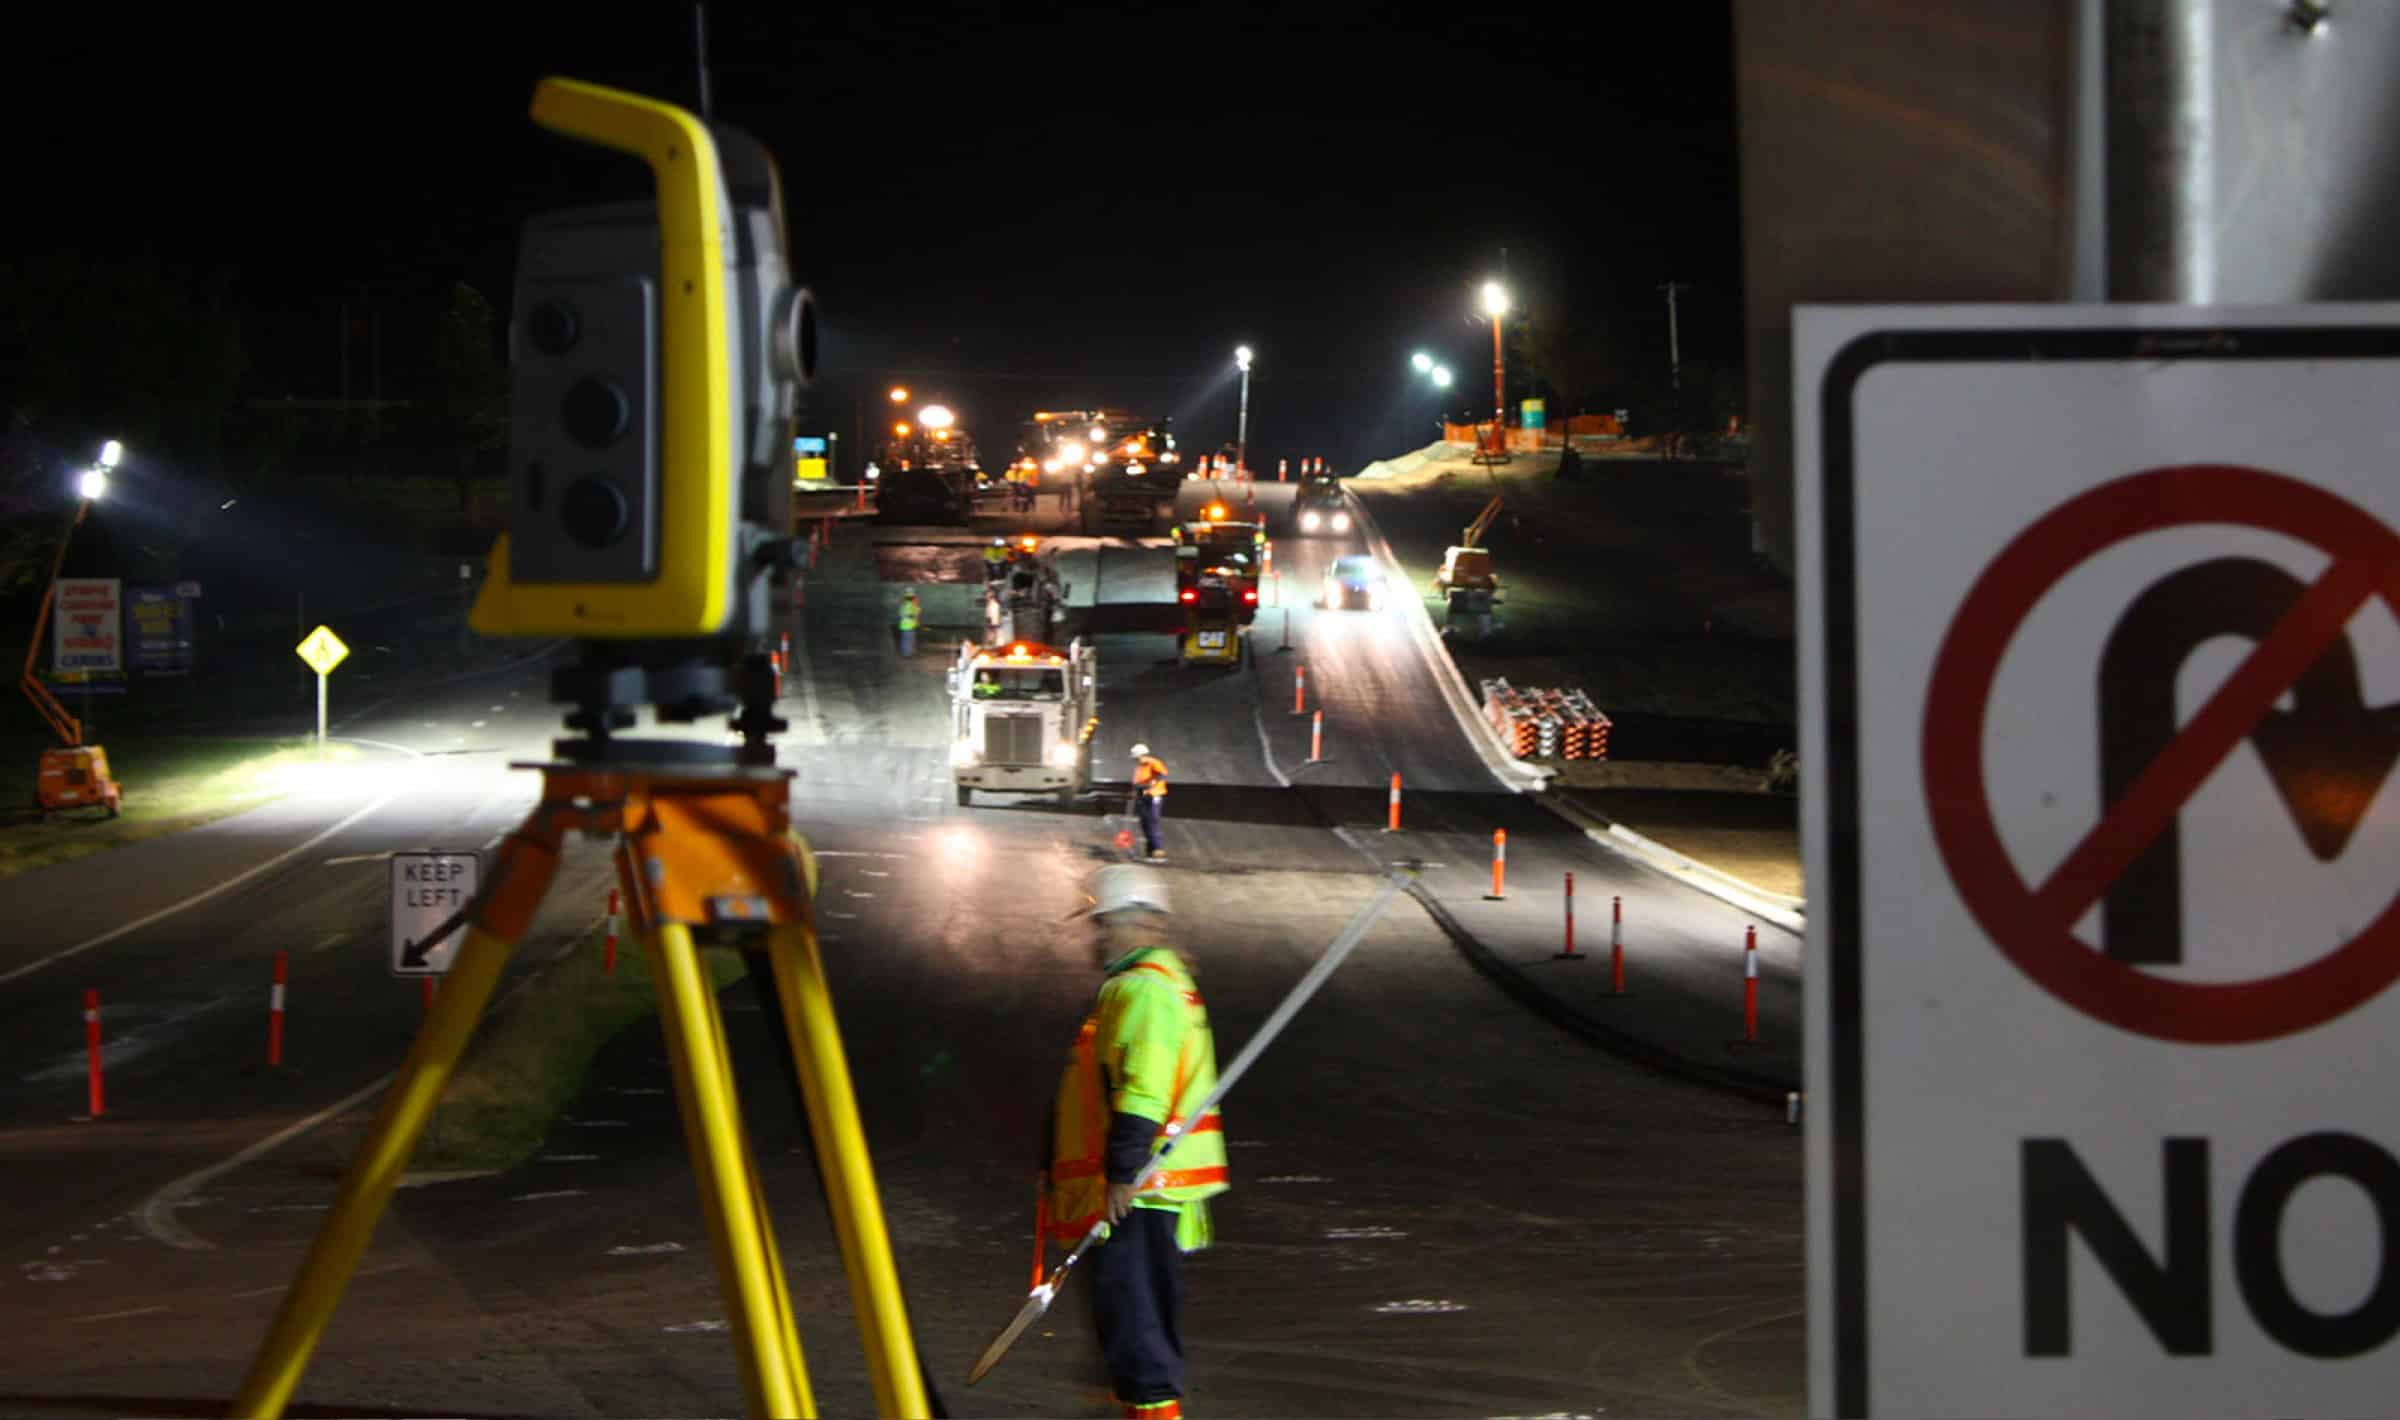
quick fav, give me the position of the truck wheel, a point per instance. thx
(966, 796)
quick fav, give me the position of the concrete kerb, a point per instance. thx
(1784, 911)
(1509, 977)
(1513, 773)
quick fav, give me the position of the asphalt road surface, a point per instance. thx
(1443, 1204)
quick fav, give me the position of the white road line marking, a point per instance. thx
(349, 858)
(567, 1159)
(197, 898)
(157, 1215)
(475, 724)
(119, 1316)
(644, 1249)
(332, 940)
(547, 1193)
(378, 744)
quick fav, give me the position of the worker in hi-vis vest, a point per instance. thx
(1150, 798)
(1141, 1062)
(911, 613)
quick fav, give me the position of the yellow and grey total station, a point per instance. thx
(657, 349)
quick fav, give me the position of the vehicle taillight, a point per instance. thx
(1249, 594)
(1191, 596)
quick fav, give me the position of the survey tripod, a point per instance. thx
(705, 856)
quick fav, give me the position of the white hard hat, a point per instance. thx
(1140, 751)
(1123, 885)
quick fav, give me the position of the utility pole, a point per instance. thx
(1674, 343)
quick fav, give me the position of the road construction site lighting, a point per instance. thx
(111, 453)
(1241, 437)
(899, 394)
(93, 485)
(935, 416)
(1441, 376)
(901, 430)
(1495, 299)
(1421, 362)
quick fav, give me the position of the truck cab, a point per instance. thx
(1021, 719)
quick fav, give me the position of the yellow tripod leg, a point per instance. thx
(367, 1189)
(849, 1171)
(687, 1011)
(788, 1330)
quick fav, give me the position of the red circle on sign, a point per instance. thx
(2219, 1013)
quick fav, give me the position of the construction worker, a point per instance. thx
(995, 559)
(1150, 798)
(1143, 1059)
(911, 616)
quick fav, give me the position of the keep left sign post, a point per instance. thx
(2100, 682)
(428, 890)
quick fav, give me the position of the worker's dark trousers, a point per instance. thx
(1137, 1304)
(1149, 811)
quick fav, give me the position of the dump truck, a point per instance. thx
(1221, 558)
(1022, 717)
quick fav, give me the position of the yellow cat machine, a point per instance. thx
(1212, 633)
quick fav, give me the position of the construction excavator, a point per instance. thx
(1466, 583)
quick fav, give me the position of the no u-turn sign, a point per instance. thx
(2100, 668)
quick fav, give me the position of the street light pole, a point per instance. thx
(1241, 437)
(1495, 304)
(1674, 345)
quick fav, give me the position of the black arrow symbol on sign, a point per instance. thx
(2327, 755)
(414, 953)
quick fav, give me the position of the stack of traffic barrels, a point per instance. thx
(1546, 724)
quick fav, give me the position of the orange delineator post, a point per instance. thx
(1750, 986)
(1616, 945)
(1394, 825)
(1499, 865)
(1278, 475)
(1299, 689)
(275, 1012)
(608, 944)
(91, 1042)
(1316, 739)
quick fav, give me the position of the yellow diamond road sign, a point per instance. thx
(322, 650)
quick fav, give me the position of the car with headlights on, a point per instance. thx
(1320, 508)
(1351, 581)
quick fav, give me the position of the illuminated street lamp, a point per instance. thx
(1441, 376)
(1241, 436)
(75, 775)
(935, 416)
(1495, 305)
(899, 394)
(1421, 362)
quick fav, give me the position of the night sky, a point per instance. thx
(1011, 209)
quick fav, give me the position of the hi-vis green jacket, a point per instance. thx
(1144, 1051)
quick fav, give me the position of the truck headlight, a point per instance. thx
(1341, 522)
(1062, 756)
(963, 756)
(1309, 521)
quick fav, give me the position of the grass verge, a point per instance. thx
(172, 783)
(531, 1057)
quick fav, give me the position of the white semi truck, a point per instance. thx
(1022, 717)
